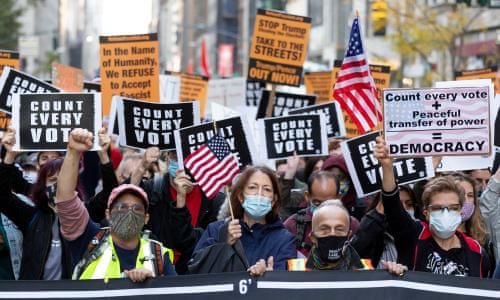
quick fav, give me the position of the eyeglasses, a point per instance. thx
(451, 207)
(254, 189)
(121, 207)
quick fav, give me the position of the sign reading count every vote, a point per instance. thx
(437, 121)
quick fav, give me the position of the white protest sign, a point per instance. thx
(437, 121)
(460, 163)
(219, 112)
(170, 88)
(228, 92)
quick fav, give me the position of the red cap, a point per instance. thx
(128, 188)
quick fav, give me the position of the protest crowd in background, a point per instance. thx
(231, 182)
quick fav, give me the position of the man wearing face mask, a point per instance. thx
(119, 251)
(322, 186)
(436, 245)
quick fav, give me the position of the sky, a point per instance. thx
(126, 16)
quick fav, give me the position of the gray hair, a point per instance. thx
(334, 203)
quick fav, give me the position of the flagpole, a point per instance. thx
(269, 109)
(226, 190)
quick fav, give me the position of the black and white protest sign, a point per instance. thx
(113, 128)
(304, 134)
(281, 103)
(366, 171)
(13, 81)
(44, 121)
(234, 130)
(254, 92)
(437, 121)
(335, 125)
(91, 87)
(146, 124)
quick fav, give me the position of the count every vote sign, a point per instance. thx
(437, 121)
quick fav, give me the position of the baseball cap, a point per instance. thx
(130, 189)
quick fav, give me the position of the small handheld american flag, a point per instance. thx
(212, 165)
(355, 89)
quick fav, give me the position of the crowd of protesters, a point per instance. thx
(124, 213)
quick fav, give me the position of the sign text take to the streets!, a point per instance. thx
(279, 47)
(129, 68)
(438, 121)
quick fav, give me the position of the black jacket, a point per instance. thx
(369, 239)
(36, 225)
(97, 206)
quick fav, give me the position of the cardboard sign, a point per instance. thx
(144, 124)
(193, 88)
(459, 163)
(14, 81)
(381, 75)
(254, 92)
(428, 122)
(7, 59)
(321, 84)
(335, 126)
(170, 88)
(91, 87)
(234, 130)
(486, 73)
(129, 68)
(304, 134)
(44, 121)
(228, 92)
(281, 103)
(67, 78)
(365, 170)
(279, 47)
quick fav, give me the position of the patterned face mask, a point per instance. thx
(467, 211)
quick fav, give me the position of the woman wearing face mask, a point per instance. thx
(435, 246)
(46, 254)
(255, 200)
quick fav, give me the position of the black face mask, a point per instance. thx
(330, 247)
(50, 191)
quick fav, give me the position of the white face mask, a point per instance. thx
(31, 177)
(411, 212)
(444, 222)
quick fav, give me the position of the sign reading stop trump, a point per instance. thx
(279, 47)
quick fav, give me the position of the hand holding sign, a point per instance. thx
(234, 231)
(8, 142)
(292, 164)
(80, 140)
(104, 142)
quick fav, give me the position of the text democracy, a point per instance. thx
(437, 147)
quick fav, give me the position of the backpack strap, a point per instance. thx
(301, 223)
(156, 250)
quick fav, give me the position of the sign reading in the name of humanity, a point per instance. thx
(335, 126)
(67, 78)
(437, 121)
(281, 103)
(13, 81)
(302, 134)
(234, 130)
(44, 121)
(129, 68)
(145, 124)
(279, 47)
(7, 59)
(365, 170)
(486, 73)
(321, 84)
(381, 75)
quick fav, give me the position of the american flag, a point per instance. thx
(355, 89)
(212, 165)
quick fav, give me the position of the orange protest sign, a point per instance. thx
(381, 75)
(279, 47)
(193, 88)
(67, 78)
(129, 68)
(486, 73)
(321, 84)
(7, 59)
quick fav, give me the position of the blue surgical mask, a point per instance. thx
(257, 206)
(313, 208)
(173, 165)
(344, 187)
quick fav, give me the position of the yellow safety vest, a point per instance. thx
(108, 265)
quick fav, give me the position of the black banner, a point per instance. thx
(146, 124)
(13, 81)
(282, 102)
(254, 92)
(373, 285)
(44, 121)
(365, 170)
(232, 129)
(335, 126)
(304, 134)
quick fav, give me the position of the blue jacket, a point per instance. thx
(259, 242)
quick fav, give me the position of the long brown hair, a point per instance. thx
(239, 186)
(475, 226)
